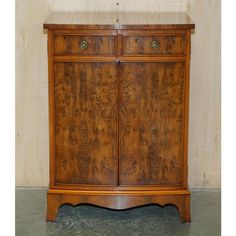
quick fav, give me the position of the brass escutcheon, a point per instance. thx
(83, 44)
(155, 44)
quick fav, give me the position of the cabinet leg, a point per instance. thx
(52, 207)
(184, 209)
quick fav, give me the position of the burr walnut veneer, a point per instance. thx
(118, 107)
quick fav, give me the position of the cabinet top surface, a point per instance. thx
(119, 20)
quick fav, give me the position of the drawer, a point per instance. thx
(153, 45)
(84, 45)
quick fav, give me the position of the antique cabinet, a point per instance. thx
(118, 110)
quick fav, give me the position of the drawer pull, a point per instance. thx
(83, 44)
(155, 44)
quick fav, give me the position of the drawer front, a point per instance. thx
(84, 45)
(154, 45)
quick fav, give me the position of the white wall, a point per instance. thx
(204, 140)
(32, 153)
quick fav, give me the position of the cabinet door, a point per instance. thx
(85, 110)
(151, 123)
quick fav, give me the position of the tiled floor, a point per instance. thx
(95, 221)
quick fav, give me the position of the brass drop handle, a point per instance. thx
(155, 44)
(83, 44)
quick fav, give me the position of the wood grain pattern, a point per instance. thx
(118, 20)
(86, 123)
(141, 45)
(97, 45)
(151, 123)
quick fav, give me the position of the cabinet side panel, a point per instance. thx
(186, 108)
(86, 123)
(51, 106)
(151, 123)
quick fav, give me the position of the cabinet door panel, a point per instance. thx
(151, 123)
(86, 123)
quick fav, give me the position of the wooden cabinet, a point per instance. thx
(118, 107)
